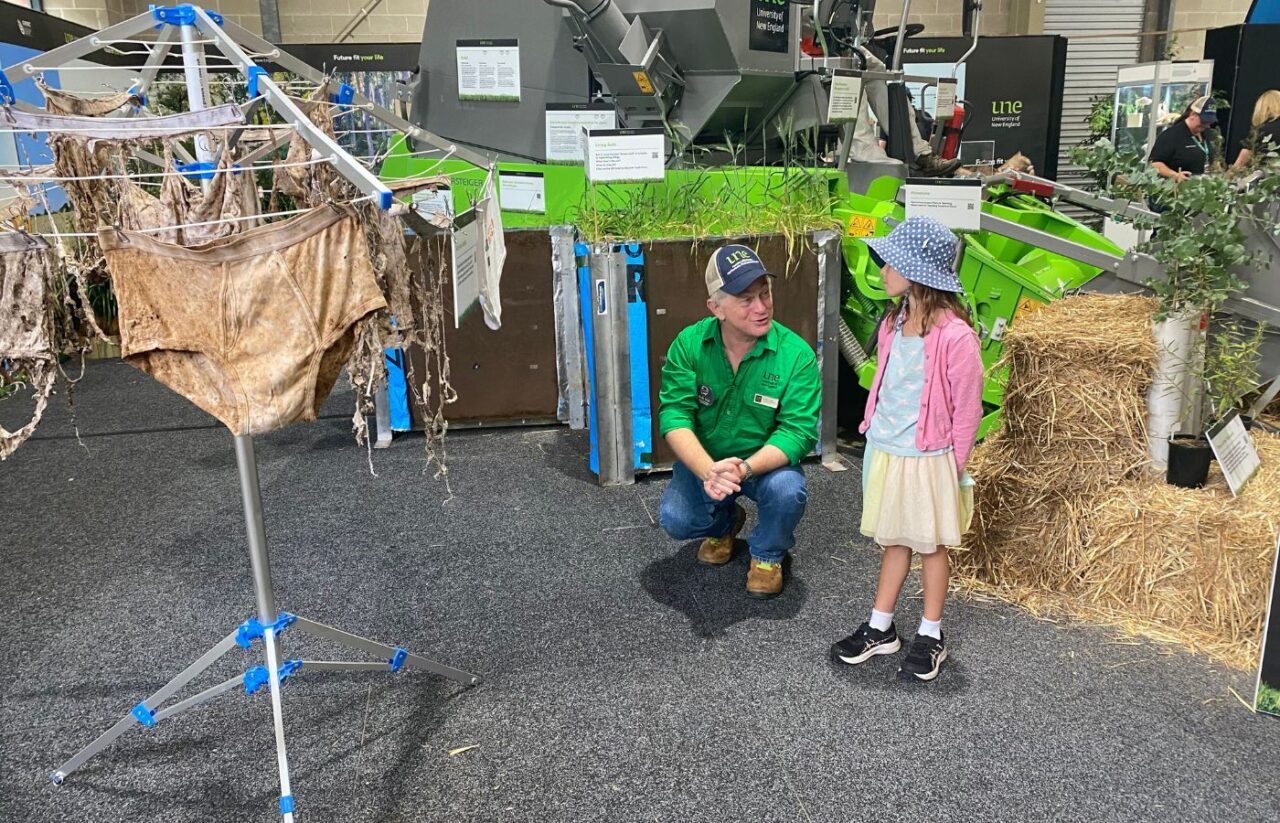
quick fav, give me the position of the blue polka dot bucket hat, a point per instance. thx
(924, 251)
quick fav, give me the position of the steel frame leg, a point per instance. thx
(353, 641)
(151, 703)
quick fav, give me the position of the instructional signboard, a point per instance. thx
(466, 283)
(1234, 448)
(770, 26)
(844, 100)
(489, 70)
(957, 204)
(435, 204)
(565, 122)
(945, 105)
(1267, 695)
(625, 155)
(524, 191)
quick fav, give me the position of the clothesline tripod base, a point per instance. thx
(267, 627)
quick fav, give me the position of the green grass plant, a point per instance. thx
(1268, 699)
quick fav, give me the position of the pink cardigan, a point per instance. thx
(951, 403)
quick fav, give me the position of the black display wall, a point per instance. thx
(1244, 66)
(1014, 86)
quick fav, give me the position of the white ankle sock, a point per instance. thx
(931, 628)
(881, 621)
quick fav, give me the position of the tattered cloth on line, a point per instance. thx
(36, 326)
(415, 300)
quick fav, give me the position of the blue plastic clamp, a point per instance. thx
(286, 804)
(386, 200)
(251, 629)
(258, 676)
(397, 660)
(183, 14)
(144, 715)
(344, 96)
(251, 76)
(7, 96)
(138, 93)
(255, 679)
(200, 170)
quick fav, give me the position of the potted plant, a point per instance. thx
(1199, 238)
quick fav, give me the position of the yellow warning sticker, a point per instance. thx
(1028, 306)
(642, 80)
(861, 225)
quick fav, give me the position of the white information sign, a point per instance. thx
(435, 204)
(466, 280)
(945, 106)
(956, 205)
(523, 191)
(1233, 446)
(626, 155)
(489, 70)
(492, 255)
(845, 99)
(565, 122)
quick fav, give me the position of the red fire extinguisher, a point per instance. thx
(953, 130)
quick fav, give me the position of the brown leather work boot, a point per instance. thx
(716, 551)
(764, 580)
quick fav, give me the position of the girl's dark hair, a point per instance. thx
(931, 304)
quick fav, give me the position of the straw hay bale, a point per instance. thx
(1190, 563)
(1068, 522)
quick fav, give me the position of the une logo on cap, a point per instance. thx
(737, 257)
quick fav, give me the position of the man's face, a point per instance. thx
(749, 313)
(1195, 125)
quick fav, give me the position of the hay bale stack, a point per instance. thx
(1188, 565)
(1078, 371)
(1066, 520)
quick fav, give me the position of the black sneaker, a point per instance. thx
(866, 643)
(924, 659)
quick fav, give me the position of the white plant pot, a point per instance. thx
(1173, 400)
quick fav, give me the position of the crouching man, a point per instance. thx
(739, 406)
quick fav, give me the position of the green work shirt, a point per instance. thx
(773, 398)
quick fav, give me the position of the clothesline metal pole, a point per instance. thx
(292, 64)
(261, 83)
(246, 466)
(270, 621)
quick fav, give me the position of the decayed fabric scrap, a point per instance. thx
(29, 296)
(253, 328)
(412, 304)
(57, 101)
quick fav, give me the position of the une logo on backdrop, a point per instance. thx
(1006, 107)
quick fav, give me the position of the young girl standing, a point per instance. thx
(921, 423)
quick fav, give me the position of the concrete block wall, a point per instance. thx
(941, 18)
(301, 21)
(1203, 15)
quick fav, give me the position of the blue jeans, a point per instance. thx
(687, 512)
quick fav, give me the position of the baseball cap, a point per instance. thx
(732, 268)
(1207, 108)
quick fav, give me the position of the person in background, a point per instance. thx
(739, 407)
(1264, 140)
(921, 424)
(1183, 149)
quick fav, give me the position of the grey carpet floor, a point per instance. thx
(621, 680)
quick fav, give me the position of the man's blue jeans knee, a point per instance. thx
(687, 513)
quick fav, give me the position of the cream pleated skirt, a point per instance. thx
(918, 502)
